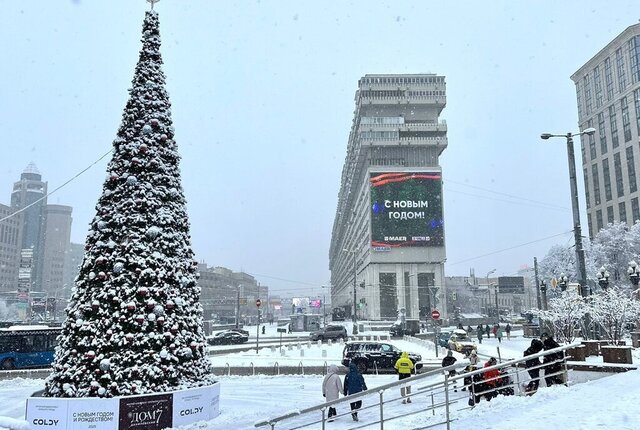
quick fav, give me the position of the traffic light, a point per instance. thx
(454, 296)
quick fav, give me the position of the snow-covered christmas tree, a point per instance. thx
(134, 322)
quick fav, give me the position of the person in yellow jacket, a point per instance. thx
(404, 367)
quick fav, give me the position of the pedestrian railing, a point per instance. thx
(437, 392)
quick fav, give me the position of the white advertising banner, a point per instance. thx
(95, 414)
(151, 412)
(196, 404)
(48, 413)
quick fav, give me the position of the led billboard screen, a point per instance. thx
(406, 209)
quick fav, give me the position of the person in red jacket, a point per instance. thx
(492, 378)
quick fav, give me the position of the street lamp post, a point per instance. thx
(487, 279)
(577, 231)
(495, 291)
(324, 305)
(355, 304)
(634, 273)
(603, 278)
(562, 282)
(543, 294)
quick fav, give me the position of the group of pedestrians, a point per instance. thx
(332, 386)
(354, 383)
(496, 330)
(551, 363)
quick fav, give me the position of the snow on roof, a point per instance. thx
(31, 168)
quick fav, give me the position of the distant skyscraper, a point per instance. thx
(56, 241)
(608, 97)
(387, 244)
(10, 245)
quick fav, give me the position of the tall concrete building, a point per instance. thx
(608, 97)
(10, 245)
(56, 243)
(387, 244)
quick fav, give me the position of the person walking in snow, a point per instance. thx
(331, 387)
(494, 330)
(554, 366)
(487, 330)
(354, 383)
(499, 333)
(507, 330)
(404, 366)
(533, 366)
(450, 360)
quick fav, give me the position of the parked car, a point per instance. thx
(330, 332)
(443, 339)
(459, 341)
(227, 337)
(375, 355)
(411, 327)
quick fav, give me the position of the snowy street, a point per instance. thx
(244, 400)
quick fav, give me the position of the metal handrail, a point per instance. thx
(431, 388)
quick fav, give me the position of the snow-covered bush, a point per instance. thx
(565, 315)
(613, 310)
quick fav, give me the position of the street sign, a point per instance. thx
(435, 314)
(258, 302)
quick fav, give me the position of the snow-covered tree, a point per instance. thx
(134, 321)
(565, 314)
(559, 260)
(613, 310)
(614, 247)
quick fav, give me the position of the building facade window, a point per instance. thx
(631, 171)
(635, 209)
(636, 99)
(613, 125)
(622, 77)
(597, 83)
(579, 98)
(610, 214)
(608, 78)
(626, 122)
(617, 169)
(592, 142)
(622, 209)
(634, 56)
(602, 133)
(607, 180)
(596, 184)
(599, 223)
(586, 187)
(588, 101)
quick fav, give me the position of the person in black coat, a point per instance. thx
(536, 346)
(554, 365)
(354, 383)
(448, 361)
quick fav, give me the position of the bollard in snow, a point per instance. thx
(324, 353)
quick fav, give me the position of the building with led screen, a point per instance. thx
(388, 242)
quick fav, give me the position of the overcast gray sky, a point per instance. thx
(262, 98)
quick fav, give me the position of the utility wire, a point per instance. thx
(512, 247)
(556, 208)
(507, 195)
(61, 186)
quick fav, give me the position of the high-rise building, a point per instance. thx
(56, 242)
(10, 245)
(608, 98)
(29, 197)
(387, 245)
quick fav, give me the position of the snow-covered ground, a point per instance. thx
(609, 402)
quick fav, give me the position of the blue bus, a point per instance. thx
(28, 346)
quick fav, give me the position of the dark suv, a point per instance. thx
(375, 355)
(329, 332)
